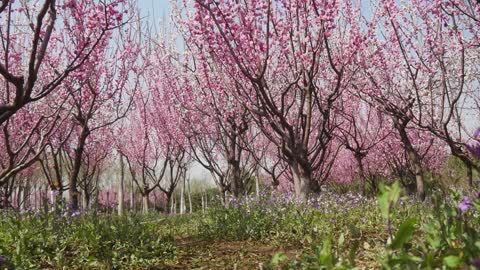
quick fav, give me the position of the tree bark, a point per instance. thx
(413, 157)
(120, 187)
(18, 196)
(361, 173)
(235, 178)
(132, 196)
(470, 175)
(302, 181)
(190, 197)
(73, 191)
(182, 198)
(257, 184)
(145, 203)
(84, 201)
(170, 204)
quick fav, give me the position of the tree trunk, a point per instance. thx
(45, 196)
(84, 200)
(236, 185)
(18, 197)
(132, 196)
(120, 187)
(26, 195)
(235, 179)
(361, 172)
(302, 181)
(173, 207)
(145, 203)
(190, 197)
(413, 157)
(182, 198)
(257, 184)
(154, 200)
(73, 191)
(223, 194)
(470, 175)
(53, 198)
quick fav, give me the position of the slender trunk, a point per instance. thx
(470, 175)
(236, 185)
(34, 197)
(182, 198)
(73, 191)
(94, 199)
(120, 187)
(154, 200)
(45, 196)
(145, 202)
(132, 196)
(231, 178)
(18, 196)
(190, 197)
(414, 159)
(173, 207)
(225, 198)
(88, 200)
(257, 184)
(84, 200)
(52, 197)
(223, 193)
(26, 195)
(361, 172)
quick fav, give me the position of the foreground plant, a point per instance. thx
(90, 241)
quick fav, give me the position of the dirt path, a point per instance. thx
(219, 254)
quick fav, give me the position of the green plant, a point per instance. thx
(50, 240)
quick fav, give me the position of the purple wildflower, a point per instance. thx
(474, 149)
(3, 260)
(465, 204)
(76, 214)
(476, 263)
(476, 135)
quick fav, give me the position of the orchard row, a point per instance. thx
(292, 95)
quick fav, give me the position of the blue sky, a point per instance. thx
(155, 9)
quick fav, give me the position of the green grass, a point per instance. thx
(271, 232)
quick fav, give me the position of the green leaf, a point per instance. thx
(452, 261)
(341, 240)
(353, 252)
(326, 257)
(278, 258)
(388, 197)
(404, 233)
(383, 202)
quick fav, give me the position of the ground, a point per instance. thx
(222, 254)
